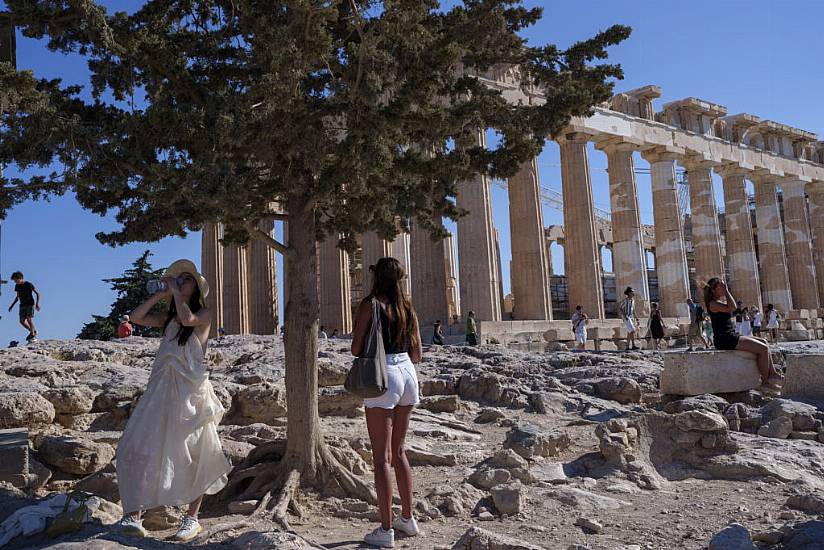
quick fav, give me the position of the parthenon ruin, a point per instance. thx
(770, 247)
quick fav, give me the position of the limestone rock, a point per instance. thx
(487, 479)
(441, 403)
(455, 501)
(805, 535)
(807, 502)
(267, 540)
(530, 442)
(24, 410)
(236, 451)
(780, 428)
(623, 390)
(102, 484)
(487, 416)
(802, 415)
(74, 455)
(733, 537)
(589, 525)
(242, 506)
(476, 538)
(420, 454)
(552, 403)
(336, 401)
(706, 402)
(438, 386)
(702, 421)
(507, 458)
(261, 403)
(162, 518)
(585, 500)
(71, 400)
(508, 498)
(331, 373)
(805, 376)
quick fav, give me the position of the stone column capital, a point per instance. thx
(733, 170)
(613, 144)
(793, 187)
(572, 137)
(694, 163)
(662, 154)
(762, 176)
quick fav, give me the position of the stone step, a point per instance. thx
(700, 372)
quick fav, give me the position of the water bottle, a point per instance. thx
(156, 285)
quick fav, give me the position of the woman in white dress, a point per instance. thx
(170, 453)
(772, 323)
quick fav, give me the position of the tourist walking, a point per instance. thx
(124, 327)
(25, 293)
(579, 327)
(738, 313)
(746, 323)
(772, 322)
(756, 321)
(720, 304)
(471, 329)
(387, 416)
(627, 310)
(437, 333)
(655, 325)
(696, 328)
(170, 453)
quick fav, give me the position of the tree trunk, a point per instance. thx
(304, 438)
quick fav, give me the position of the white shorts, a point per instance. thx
(630, 325)
(581, 336)
(403, 384)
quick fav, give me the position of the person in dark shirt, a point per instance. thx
(25, 293)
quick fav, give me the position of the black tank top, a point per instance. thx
(389, 329)
(722, 324)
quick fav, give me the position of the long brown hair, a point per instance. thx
(388, 274)
(183, 333)
(709, 292)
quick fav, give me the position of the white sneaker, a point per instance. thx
(189, 529)
(381, 538)
(131, 527)
(408, 527)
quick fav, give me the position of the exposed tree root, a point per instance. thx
(276, 479)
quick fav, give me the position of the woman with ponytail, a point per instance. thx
(387, 416)
(721, 306)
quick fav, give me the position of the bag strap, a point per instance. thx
(374, 338)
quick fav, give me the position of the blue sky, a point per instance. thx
(757, 56)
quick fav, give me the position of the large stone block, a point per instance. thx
(14, 456)
(559, 335)
(697, 373)
(805, 376)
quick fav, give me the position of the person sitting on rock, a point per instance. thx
(387, 416)
(721, 306)
(170, 453)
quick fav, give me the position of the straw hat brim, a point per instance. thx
(187, 266)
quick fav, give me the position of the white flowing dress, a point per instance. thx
(170, 452)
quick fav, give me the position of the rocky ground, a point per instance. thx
(512, 450)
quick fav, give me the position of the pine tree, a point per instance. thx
(340, 116)
(131, 292)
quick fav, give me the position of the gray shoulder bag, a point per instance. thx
(367, 377)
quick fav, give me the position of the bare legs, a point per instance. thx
(387, 433)
(194, 509)
(28, 324)
(761, 349)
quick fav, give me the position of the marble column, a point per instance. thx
(479, 287)
(772, 260)
(797, 239)
(335, 287)
(581, 260)
(743, 263)
(262, 284)
(451, 266)
(235, 290)
(529, 269)
(429, 286)
(211, 261)
(706, 236)
(670, 252)
(815, 191)
(628, 262)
